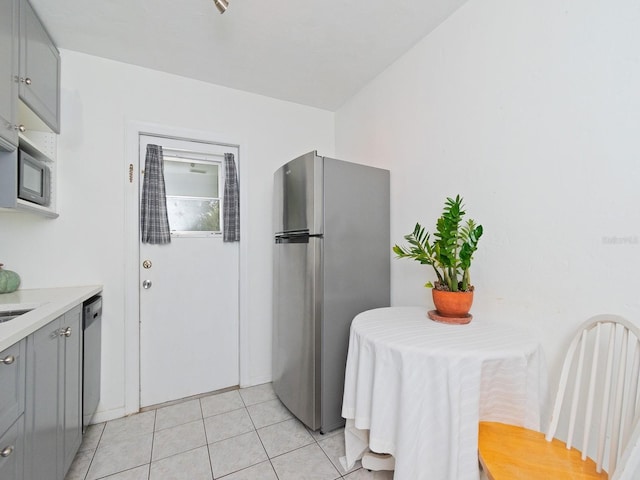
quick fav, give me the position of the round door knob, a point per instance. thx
(146, 284)
(66, 332)
(27, 81)
(20, 128)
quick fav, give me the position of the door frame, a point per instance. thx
(132, 251)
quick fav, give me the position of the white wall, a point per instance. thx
(86, 244)
(531, 111)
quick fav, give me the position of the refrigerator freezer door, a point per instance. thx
(298, 195)
(296, 336)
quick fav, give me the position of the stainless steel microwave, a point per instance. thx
(34, 179)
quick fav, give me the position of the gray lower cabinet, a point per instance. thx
(9, 68)
(53, 411)
(12, 451)
(12, 388)
(72, 425)
(39, 68)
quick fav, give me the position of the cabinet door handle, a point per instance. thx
(8, 360)
(27, 81)
(20, 128)
(6, 451)
(66, 332)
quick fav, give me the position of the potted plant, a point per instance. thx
(449, 252)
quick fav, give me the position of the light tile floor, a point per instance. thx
(244, 434)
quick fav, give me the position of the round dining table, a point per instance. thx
(416, 389)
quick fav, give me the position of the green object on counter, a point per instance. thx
(9, 281)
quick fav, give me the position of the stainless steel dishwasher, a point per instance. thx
(91, 349)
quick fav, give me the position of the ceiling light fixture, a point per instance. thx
(222, 5)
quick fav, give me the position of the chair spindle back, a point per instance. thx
(605, 398)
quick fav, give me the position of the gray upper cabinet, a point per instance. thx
(9, 74)
(39, 68)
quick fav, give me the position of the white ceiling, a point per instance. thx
(310, 52)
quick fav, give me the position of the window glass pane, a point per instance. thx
(191, 179)
(193, 214)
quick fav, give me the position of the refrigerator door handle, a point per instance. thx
(295, 238)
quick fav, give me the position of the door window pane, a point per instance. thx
(193, 195)
(191, 179)
(193, 214)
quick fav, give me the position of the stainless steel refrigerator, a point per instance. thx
(332, 257)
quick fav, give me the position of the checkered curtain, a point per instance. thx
(154, 223)
(231, 201)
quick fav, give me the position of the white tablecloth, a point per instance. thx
(416, 388)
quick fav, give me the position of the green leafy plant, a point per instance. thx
(451, 250)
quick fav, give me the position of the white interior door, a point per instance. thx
(189, 304)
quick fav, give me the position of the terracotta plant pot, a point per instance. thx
(452, 304)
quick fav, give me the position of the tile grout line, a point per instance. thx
(153, 440)
(255, 429)
(95, 450)
(206, 439)
(174, 426)
(329, 458)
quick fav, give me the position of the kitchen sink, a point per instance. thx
(11, 314)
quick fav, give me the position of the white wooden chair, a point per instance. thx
(598, 401)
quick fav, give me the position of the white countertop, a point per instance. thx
(47, 303)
